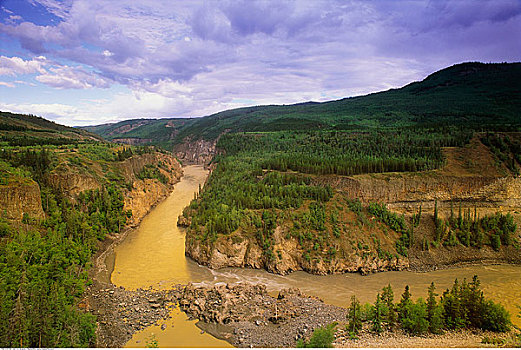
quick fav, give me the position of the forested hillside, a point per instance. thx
(271, 192)
(468, 94)
(62, 192)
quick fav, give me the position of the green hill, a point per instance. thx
(28, 130)
(487, 95)
(142, 131)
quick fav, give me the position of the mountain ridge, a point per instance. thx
(471, 92)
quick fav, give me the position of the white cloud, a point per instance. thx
(54, 111)
(16, 65)
(192, 58)
(66, 77)
(7, 84)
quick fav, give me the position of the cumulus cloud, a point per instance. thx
(16, 65)
(54, 111)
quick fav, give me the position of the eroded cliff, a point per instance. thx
(19, 198)
(146, 193)
(195, 152)
(471, 180)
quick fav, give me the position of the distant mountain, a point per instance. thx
(468, 93)
(30, 129)
(142, 131)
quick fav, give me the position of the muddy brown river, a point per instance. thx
(153, 256)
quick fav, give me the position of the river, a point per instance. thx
(153, 256)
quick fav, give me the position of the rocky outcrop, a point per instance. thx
(250, 317)
(19, 198)
(131, 167)
(145, 194)
(195, 152)
(237, 251)
(148, 192)
(71, 180)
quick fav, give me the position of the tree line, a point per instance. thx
(462, 306)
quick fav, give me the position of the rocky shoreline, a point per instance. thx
(245, 315)
(253, 318)
(121, 313)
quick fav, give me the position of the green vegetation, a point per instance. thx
(507, 151)
(158, 132)
(462, 306)
(151, 171)
(240, 191)
(44, 263)
(347, 153)
(472, 231)
(322, 337)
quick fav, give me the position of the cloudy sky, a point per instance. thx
(82, 62)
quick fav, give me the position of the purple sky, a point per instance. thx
(85, 62)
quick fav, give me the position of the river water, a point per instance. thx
(153, 256)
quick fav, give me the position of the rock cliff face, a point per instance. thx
(195, 152)
(71, 181)
(18, 199)
(237, 251)
(405, 192)
(148, 192)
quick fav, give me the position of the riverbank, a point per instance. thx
(120, 313)
(247, 316)
(102, 298)
(153, 256)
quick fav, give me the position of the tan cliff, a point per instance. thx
(22, 197)
(70, 180)
(470, 176)
(238, 250)
(146, 193)
(19, 198)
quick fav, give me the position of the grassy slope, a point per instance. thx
(485, 94)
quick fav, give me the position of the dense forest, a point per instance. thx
(44, 263)
(264, 180)
(348, 153)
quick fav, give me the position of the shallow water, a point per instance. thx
(153, 256)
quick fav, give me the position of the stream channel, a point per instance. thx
(153, 255)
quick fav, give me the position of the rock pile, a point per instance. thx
(255, 318)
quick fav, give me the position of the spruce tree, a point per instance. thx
(388, 300)
(354, 317)
(377, 314)
(404, 305)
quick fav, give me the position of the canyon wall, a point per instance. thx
(19, 198)
(195, 152)
(238, 250)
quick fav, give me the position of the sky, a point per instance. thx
(86, 62)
